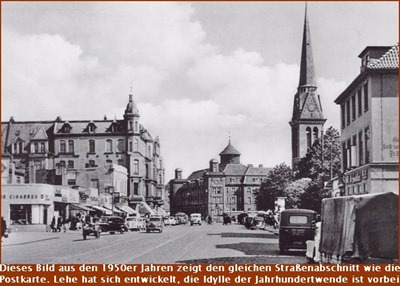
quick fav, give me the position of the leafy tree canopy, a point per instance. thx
(273, 186)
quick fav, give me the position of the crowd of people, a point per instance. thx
(59, 224)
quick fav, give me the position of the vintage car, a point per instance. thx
(155, 223)
(132, 222)
(112, 224)
(357, 229)
(295, 228)
(195, 218)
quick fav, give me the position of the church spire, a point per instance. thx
(307, 74)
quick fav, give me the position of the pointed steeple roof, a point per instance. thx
(307, 74)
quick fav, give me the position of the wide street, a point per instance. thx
(183, 243)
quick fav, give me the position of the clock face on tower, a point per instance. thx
(311, 107)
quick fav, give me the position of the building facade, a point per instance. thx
(307, 120)
(225, 187)
(369, 124)
(66, 147)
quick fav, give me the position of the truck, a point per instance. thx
(357, 229)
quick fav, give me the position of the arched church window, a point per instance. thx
(308, 135)
(315, 134)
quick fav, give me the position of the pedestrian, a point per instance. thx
(53, 224)
(3, 227)
(60, 223)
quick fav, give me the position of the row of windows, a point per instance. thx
(356, 150)
(354, 105)
(231, 200)
(358, 189)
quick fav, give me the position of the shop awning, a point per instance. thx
(127, 209)
(144, 208)
(79, 207)
(117, 211)
(104, 210)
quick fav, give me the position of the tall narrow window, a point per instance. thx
(366, 96)
(359, 98)
(136, 145)
(42, 148)
(343, 114)
(62, 146)
(344, 156)
(36, 147)
(353, 107)
(366, 137)
(130, 146)
(92, 146)
(92, 163)
(62, 164)
(136, 166)
(308, 135)
(108, 145)
(348, 153)
(71, 146)
(315, 134)
(121, 145)
(354, 152)
(348, 112)
(70, 164)
(360, 149)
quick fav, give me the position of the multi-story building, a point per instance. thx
(369, 124)
(308, 120)
(69, 146)
(225, 187)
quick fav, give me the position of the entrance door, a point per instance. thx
(45, 215)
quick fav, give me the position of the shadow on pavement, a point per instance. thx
(256, 248)
(246, 234)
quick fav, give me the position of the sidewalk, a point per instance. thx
(19, 238)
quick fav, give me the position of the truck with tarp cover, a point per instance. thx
(362, 228)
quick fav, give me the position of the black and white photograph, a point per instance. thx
(199, 132)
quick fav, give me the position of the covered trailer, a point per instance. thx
(360, 228)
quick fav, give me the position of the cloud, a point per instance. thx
(79, 63)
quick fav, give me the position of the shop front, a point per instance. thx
(26, 204)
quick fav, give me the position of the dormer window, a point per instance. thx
(91, 127)
(66, 128)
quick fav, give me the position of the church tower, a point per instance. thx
(308, 120)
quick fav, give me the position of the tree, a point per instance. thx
(312, 197)
(294, 192)
(323, 160)
(273, 186)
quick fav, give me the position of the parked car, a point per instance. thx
(195, 218)
(112, 224)
(295, 228)
(181, 218)
(132, 223)
(155, 223)
(170, 221)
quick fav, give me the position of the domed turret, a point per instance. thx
(214, 165)
(131, 108)
(230, 155)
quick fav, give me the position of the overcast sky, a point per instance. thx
(199, 70)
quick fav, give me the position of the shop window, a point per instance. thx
(21, 214)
